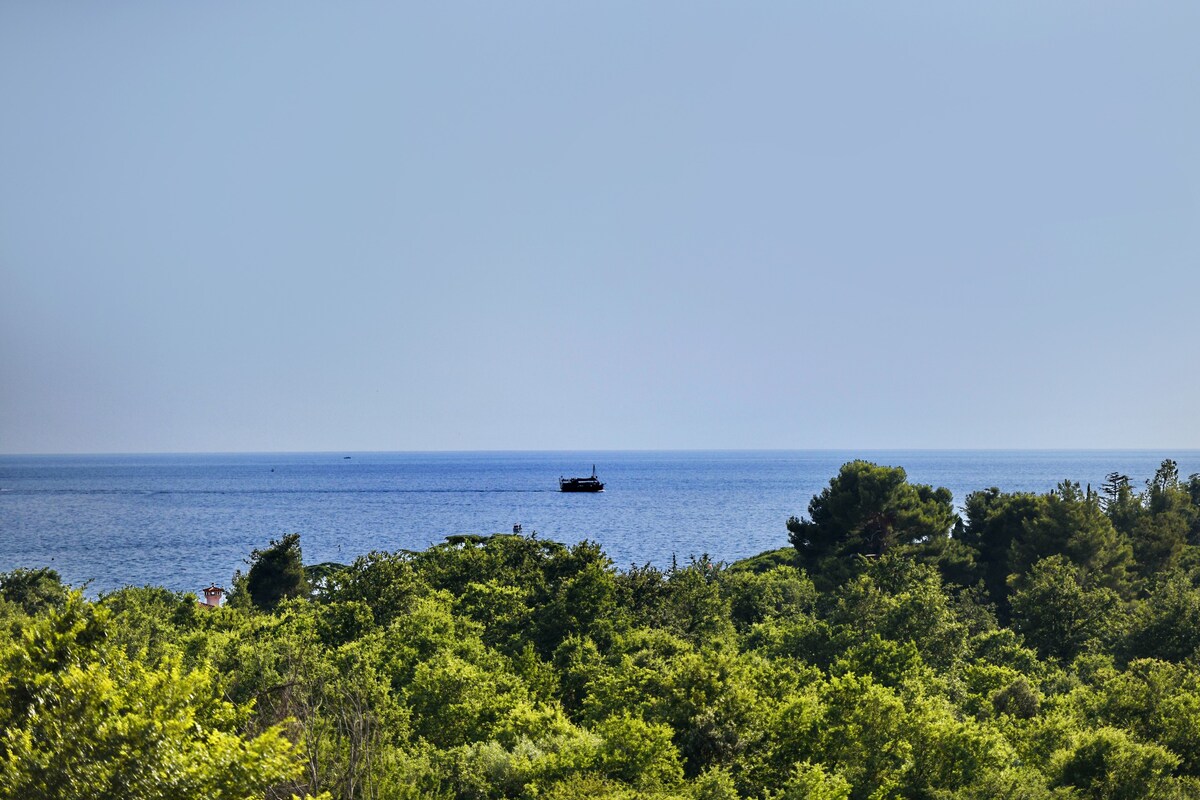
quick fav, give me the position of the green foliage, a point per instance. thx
(1109, 765)
(764, 562)
(1072, 524)
(1167, 624)
(456, 701)
(33, 590)
(695, 607)
(638, 753)
(276, 573)
(148, 620)
(80, 719)
(995, 524)
(715, 784)
(812, 782)
(1013, 532)
(1060, 614)
(1045, 647)
(1155, 702)
(387, 583)
(868, 510)
(758, 596)
(1018, 699)
(1161, 525)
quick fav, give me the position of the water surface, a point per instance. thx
(184, 521)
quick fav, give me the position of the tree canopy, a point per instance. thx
(276, 572)
(868, 510)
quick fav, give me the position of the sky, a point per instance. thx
(280, 226)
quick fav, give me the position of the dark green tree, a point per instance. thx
(34, 590)
(1161, 532)
(1121, 503)
(276, 573)
(1166, 625)
(1193, 488)
(868, 510)
(1072, 523)
(995, 522)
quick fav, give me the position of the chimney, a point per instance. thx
(213, 595)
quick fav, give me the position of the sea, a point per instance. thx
(186, 521)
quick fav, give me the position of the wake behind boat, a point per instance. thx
(591, 484)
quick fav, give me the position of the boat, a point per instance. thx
(591, 484)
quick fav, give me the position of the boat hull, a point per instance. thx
(580, 486)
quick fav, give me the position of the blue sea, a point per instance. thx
(184, 521)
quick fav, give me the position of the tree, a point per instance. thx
(1166, 624)
(386, 582)
(865, 735)
(1108, 764)
(276, 573)
(754, 597)
(695, 608)
(869, 510)
(1161, 532)
(1155, 702)
(902, 602)
(1072, 523)
(34, 590)
(995, 521)
(812, 782)
(80, 719)
(1120, 502)
(639, 753)
(1193, 489)
(1059, 613)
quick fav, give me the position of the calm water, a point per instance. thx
(184, 521)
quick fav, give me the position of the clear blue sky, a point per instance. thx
(350, 226)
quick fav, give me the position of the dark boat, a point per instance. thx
(591, 484)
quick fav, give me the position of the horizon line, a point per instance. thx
(464, 451)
